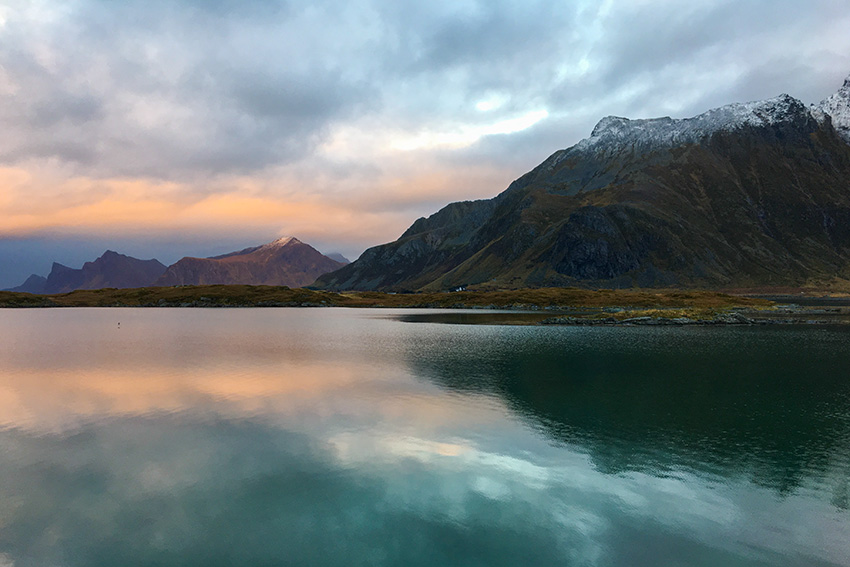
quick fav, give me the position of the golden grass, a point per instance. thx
(247, 296)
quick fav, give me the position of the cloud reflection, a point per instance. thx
(341, 437)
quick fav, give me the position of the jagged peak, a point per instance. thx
(837, 107)
(610, 123)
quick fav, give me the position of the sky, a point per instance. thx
(197, 127)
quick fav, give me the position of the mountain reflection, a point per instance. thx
(772, 404)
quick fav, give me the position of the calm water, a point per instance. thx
(315, 437)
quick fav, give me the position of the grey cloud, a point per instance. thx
(77, 109)
(637, 43)
(186, 90)
(724, 48)
(448, 61)
(163, 106)
(497, 34)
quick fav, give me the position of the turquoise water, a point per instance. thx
(351, 437)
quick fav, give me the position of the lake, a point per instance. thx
(318, 437)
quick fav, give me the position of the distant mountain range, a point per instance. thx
(110, 270)
(286, 261)
(754, 194)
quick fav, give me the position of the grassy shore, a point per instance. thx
(279, 296)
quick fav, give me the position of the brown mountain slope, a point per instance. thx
(754, 194)
(286, 261)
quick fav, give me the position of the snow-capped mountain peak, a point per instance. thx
(837, 107)
(614, 134)
(282, 241)
(617, 136)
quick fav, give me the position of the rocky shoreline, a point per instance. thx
(720, 319)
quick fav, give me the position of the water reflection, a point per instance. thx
(246, 493)
(774, 403)
(336, 437)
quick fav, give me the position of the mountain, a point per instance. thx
(338, 257)
(753, 194)
(33, 284)
(110, 270)
(286, 261)
(837, 109)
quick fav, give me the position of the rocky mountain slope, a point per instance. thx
(754, 194)
(286, 261)
(110, 270)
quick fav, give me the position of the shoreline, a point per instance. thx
(556, 299)
(550, 306)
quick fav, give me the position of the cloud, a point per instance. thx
(285, 103)
(169, 92)
(193, 89)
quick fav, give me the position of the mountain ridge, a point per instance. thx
(111, 269)
(836, 107)
(743, 195)
(257, 265)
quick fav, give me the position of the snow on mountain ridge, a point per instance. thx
(668, 131)
(613, 134)
(837, 107)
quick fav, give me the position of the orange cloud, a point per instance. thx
(364, 206)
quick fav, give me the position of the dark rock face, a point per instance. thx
(110, 270)
(287, 261)
(746, 195)
(593, 245)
